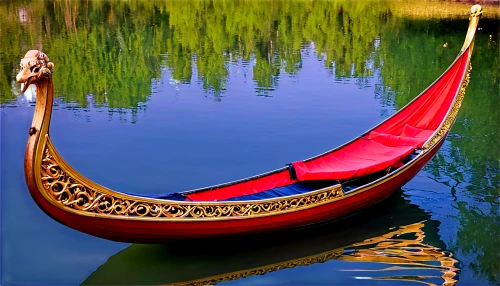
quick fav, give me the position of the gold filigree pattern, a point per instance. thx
(70, 192)
(450, 119)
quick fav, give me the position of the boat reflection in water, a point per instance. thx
(404, 249)
(390, 241)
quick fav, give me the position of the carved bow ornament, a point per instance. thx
(34, 66)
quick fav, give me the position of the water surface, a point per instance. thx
(156, 97)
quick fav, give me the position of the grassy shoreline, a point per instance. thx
(442, 9)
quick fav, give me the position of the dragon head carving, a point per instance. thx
(34, 66)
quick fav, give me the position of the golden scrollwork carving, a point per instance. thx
(70, 192)
(450, 119)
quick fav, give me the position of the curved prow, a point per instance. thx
(35, 68)
(475, 13)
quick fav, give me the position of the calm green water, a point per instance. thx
(154, 97)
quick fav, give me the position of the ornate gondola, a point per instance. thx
(334, 184)
(398, 243)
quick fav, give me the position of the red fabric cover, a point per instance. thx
(268, 182)
(428, 111)
(383, 147)
(354, 160)
(410, 136)
(389, 143)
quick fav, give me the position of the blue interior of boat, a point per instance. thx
(293, 189)
(168, 196)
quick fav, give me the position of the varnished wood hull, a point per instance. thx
(75, 201)
(139, 231)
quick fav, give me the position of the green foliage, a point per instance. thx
(97, 49)
(113, 49)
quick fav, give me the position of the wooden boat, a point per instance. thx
(337, 183)
(393, 240)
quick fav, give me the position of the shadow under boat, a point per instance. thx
(393, 240)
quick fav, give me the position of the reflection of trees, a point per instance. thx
(470, 165)
(351, 29)
(97, 47)
(13, 39)
(272, 32)
(112, 49)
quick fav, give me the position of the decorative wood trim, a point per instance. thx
(452, 114)
(65, 189)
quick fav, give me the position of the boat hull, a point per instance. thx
(124, 229)
(77, 202)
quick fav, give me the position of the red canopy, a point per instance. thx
(389, 143)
